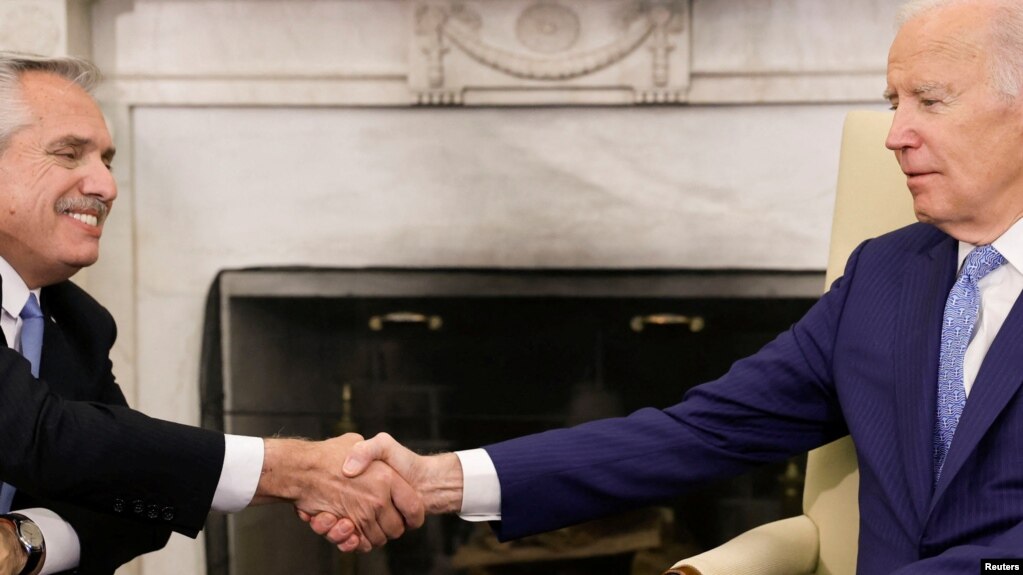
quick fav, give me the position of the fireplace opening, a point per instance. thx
(454, 359)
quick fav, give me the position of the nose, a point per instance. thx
(902, 134)
(99, 182)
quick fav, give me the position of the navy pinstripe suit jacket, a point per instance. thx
(862, 361)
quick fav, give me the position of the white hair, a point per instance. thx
(1006, 37)
(14, 113)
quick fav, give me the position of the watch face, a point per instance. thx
(31, 534)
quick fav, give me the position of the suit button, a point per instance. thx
(137, 507)
(168, 513)
(118, 505)
(153, 511)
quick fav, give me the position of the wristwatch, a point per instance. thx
(30, 538)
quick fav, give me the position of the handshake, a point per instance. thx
(358, 493)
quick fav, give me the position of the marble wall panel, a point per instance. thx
(250, 38)
(791, 36)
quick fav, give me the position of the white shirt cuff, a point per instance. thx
(243, 462)
(481, 488)
(62, 549)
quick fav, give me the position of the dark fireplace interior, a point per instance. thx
(447, 360)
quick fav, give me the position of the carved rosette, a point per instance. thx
(547, 28)
(552, 52)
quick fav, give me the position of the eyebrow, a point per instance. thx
(79, 142)
(890, 94)
(930, 87)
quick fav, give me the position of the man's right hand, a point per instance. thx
(437, 479)
(379, 503)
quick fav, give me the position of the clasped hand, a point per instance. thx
(435, 483)
(378, 504)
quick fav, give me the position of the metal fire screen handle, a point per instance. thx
(433, 322)
(639, 322)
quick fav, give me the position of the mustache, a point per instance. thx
(83, 204)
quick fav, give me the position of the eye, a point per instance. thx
(928, 103)
(67, 153)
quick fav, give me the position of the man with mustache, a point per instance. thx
(92, 482)
(917, 351)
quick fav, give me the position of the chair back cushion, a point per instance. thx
(871, 199)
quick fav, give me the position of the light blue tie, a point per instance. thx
(961, 311)
(32, 333)
(31, 349)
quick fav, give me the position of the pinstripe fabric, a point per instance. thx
(864, 360)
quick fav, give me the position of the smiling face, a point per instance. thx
(957, 138)
(55, 182)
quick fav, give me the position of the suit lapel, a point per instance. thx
(58, 367)
(926, 281)
(999, 378)
(3, 338)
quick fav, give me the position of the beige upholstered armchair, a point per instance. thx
(871, 199)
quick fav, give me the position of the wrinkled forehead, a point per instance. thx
(958, 34)
(948, 46)
(56, 104)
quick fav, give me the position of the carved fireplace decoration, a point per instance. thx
(545, 53)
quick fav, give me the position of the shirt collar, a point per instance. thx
(13, 290)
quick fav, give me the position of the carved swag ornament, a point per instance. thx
(547, 58)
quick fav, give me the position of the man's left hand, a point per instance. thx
(12, 555)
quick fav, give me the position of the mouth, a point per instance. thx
(87, 219)
(89, 211)
(911, 176)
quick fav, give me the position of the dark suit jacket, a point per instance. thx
(864, 361)
(68, 442)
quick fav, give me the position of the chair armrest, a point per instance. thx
(785, 547)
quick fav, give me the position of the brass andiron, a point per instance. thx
(791, 482)
(346, 424)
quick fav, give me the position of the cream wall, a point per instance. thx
(262, 132)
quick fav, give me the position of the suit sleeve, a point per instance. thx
(106, 458)
(106, 542)
(776, 403)
(69, 436)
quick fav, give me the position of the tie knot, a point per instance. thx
(981, 261)
(31, 309)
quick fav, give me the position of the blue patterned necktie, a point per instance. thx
(961, 311)
(31, 349)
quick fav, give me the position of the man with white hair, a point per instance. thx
(917, 351)
(92, 482)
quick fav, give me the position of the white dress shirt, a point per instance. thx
(243, 456)
(999, 289)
